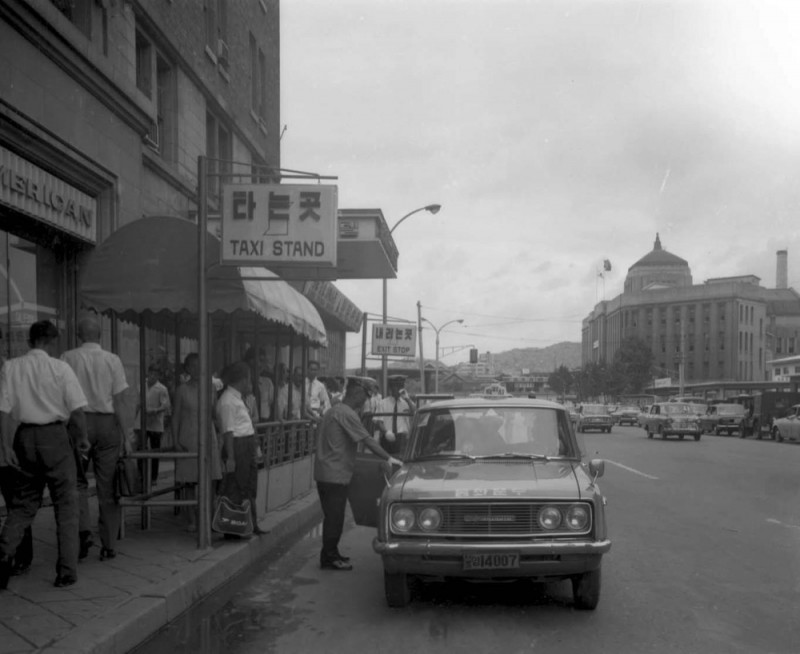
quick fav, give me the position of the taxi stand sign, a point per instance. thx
(400, 340)
(287, 224)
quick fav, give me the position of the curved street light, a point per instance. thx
(434, 209)
(437, 330)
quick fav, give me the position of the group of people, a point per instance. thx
(58, 416)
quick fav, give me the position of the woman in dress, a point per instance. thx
(185, 423)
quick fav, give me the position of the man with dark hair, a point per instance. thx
(40, 394)
(239, 445)
(157, 406)
(338, 437)
(397, 410)
(110, 428)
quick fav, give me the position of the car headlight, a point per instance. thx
(549, 517)
(577, 517)
(402, 518)
(430, 519)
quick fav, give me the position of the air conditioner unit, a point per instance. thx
(222, 52)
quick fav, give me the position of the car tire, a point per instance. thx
(397, 588)
(680, 437)
(586, 590)
(742, 432)
(648, 432)
(609, 430)
(777, 435)
(661, 433)
(697, 437)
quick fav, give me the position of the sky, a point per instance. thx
(555, 135)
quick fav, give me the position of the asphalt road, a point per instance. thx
(705, 558)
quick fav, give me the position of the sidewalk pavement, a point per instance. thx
(118, 604)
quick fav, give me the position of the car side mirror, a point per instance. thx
(597, 468)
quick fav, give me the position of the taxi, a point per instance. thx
(490, 489)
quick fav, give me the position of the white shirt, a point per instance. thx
(403, 422)
(36, 388)
(100, 374)
(317, 394)
(232, 414)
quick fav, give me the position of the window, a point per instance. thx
(152, 65)
(219, 150)
(216, 13)
(144, 65)
(79, 13)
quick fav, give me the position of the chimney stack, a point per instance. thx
(782, 272)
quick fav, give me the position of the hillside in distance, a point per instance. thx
(539, 359)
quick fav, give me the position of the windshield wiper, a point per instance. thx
(445, 455)
(518, 455)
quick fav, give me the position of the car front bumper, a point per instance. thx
(546, 560)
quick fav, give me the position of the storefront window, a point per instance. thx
(29, 291)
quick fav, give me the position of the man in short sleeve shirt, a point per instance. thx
(40, 394)
(337, 441)
(110, 428)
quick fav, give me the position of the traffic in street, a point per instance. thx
(705, 535)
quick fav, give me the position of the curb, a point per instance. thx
(132, 623)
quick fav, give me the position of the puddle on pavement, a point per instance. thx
(250, 608)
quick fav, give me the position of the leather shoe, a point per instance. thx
(107, 553)
(86, 543)
(342, 557)
(64, 581)
(337, 564)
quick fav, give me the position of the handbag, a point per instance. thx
(231, 517)
(127, 481)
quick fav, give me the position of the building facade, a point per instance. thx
(106, 106)
(725, 329)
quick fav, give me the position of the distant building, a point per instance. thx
(485, 367)
(725, 329)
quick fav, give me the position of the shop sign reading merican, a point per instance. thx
(287, 224)
(26, 188)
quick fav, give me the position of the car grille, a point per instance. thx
(501, 519)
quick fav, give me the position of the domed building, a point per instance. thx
(723, 330)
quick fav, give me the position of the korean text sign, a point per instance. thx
(290, 224)
(400, 340)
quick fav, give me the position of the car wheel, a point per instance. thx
(397, 589)
(609, 430)
(742, 432)
(586, 590)
(680, 437)
(697, 437)
(776, 435)
(647, 431)
(661, 433)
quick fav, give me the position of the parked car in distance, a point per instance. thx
(594, 416)
(729, 419)
(627, 415)
(672, 419)
(490, 489)
(787, 428)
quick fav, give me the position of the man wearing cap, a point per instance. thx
(397, 410)
(110, 426)
(337, 438)
(41, 393)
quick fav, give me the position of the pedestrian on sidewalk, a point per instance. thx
(185, 429)
(157, 406)
(338, 436)
(110, 428)
(316, 393)
(40, 393)
(397, 410)
(239, 444)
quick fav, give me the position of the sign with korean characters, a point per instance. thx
(400, 340)
(293, 225)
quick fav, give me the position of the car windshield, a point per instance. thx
(595, 409)
(496, 431)
(679, 409)
(730, 410)
(628, 409)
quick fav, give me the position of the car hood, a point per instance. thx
(492, 479)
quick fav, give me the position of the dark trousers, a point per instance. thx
(245, 477)
(105, 439)
(333, 499)
(24, 555)
(46, 457)
(154, 443)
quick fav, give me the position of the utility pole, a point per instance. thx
(421, 356)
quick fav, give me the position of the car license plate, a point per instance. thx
(491, 561)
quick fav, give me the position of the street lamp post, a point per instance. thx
(437, 330)
(434, 209)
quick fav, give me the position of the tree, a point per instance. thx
(593, 380)
(560, 380)
(630, 370)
